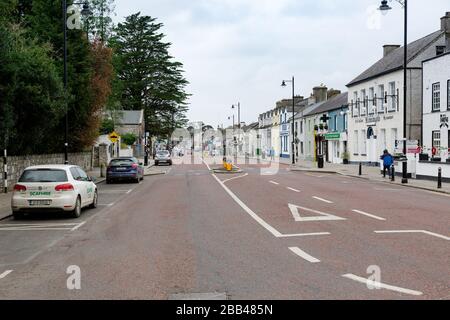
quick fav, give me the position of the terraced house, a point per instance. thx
(376, 99)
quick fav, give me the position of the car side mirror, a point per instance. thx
(92, 179)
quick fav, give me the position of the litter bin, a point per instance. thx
(320, 161)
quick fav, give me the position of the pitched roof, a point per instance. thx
(130, 117)
(336, 102)
(394, 60)
(309, 110)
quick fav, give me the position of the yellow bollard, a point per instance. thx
(229, 167)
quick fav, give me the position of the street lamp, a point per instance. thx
(384, 8)
(86, 12)
(283, 84)
(239, 118)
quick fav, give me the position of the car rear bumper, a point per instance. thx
(66, 202)
(122, 175)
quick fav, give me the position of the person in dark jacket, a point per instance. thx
(388, 160)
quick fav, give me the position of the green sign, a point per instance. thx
(333, 136)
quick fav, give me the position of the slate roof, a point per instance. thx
(127, 117)
(394, 60)
(334, 103)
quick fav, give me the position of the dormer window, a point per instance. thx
(440, 50)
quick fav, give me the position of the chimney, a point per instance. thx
(445, 27)
(388, 48)
(320, 93)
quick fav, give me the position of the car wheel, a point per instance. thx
(95, 201)
(17, 215)
(76, 213)
(156, 163)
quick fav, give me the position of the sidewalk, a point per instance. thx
(5, 199)
(369, 173)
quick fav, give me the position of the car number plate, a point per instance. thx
(40, 202)
(122, 169)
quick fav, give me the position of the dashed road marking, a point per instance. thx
(369, 215)
(323, 200)
(4, 274)
(381, 285)
(292, 189)
(275, 183)
(78, 226)
(302, 254)
(234, 178)
(415, 231)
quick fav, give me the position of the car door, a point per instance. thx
(87, 187)
(78, 184)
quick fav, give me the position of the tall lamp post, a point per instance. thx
(86, 12)
(283, 84)
(239, 119)
(384, 8)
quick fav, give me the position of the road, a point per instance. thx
(284, 235)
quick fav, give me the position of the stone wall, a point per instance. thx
(17, 164)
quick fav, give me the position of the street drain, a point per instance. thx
(198, 296)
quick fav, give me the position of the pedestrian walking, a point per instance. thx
(388, 160)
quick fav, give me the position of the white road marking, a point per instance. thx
(129, 191)
(225, 181)
(114, 191)
(304, 255)
(369, 215)
(78, 226)
(381, 285)
(37, 224)
(35, 229)
(304, 234)
(4, 274)
(258, 219)
(387, 189)
(273, 182)
(322, 215)
(323, 200)
(416, 231)
(292, 189)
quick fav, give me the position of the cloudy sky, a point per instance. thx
(241, 50)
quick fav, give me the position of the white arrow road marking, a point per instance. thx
(416, 231)
(381, 285)
(4, 274)
(304, 255)
(323, 200)
(369, 215)
(322, 215)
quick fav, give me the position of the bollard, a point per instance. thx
(102, 170)
(360, 169)
(440, 178)
(393, 173)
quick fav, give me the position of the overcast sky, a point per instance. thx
(241, 50)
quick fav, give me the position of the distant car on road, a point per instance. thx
(48, 188)
(163, 156)
(125, 168)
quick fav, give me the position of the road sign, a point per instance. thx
(114, 137)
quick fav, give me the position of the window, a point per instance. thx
(345, 121)
(83, 174)
(75, 174)
(392, 99)
(301, 126)
(301, 148)
(448, 96)
(371, 102)
(362, 107)
(437, 139)
(355, 104)
(394, 137)
(335, 128)
(363, 142)
(436, 97)
(440, 50)
(380, 98)
(43, 175)
(356, 143)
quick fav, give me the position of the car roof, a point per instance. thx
(52, 166)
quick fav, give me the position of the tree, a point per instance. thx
(147, 76)
(31, 93)
(129, 139)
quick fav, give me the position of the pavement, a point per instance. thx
(266, 233)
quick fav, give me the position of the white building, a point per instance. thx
(376, 99)
(436, 115)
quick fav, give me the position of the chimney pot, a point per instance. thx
(445, 27)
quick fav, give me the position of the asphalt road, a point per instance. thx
(284, 235)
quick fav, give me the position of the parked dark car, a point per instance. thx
(126, 168)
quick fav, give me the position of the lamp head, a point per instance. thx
(283, 84)
(384, 8)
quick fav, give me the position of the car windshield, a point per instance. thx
(122, 162)
(43, 175)
(163, 153)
